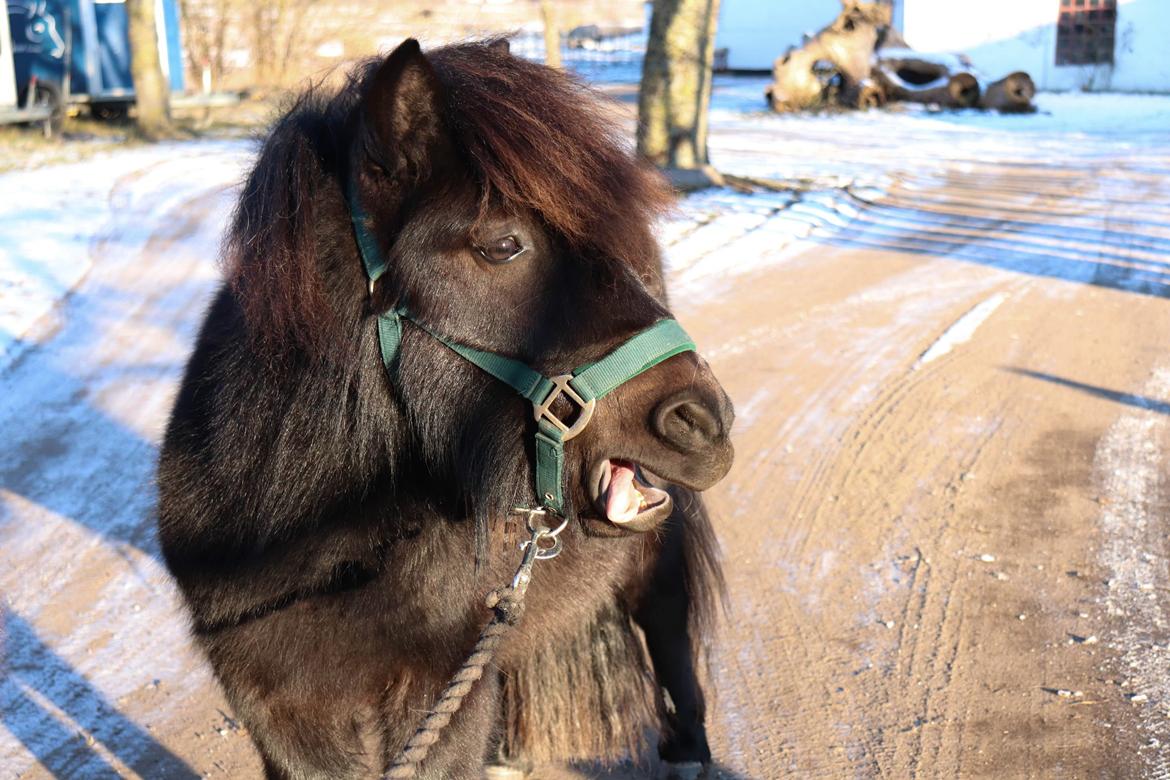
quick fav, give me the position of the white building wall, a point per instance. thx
(1002, 36)
(756, 32)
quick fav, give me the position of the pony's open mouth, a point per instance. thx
(622, 495)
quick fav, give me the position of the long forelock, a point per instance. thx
(539, 139)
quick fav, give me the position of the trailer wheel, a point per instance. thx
(111, 112)
(49, 94)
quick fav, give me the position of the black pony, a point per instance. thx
(335, 526)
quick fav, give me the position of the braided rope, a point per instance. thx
(507, 603)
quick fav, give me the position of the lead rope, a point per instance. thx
(507, 604)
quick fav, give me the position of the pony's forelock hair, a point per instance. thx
(540, 139)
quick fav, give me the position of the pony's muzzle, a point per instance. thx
(698, 425)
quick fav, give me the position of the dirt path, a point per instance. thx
(945, 534)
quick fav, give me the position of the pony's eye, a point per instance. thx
(501, 250)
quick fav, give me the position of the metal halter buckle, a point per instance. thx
(561, 387)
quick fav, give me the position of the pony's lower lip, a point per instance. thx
(656, 504)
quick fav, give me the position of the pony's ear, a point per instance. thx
(403, 109)
(500, 46)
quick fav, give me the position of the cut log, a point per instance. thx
(963, 89)
(829, 67)
(923, 79)
(1011, 94)
(866, 95)
(799, 81)
(850, 41)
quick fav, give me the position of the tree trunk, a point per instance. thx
(261, 43)
(552, 34)
(152, 93)
(676, 83)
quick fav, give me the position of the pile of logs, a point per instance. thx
(860, 61)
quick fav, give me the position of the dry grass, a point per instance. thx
(25, 147)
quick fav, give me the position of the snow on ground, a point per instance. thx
(1094, 113)
(918, 139)
(51, 218)
(962, 330)
(81, 416)
(1128, 467)
(845, 164)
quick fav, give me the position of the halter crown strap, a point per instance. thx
(583, 387)
(372, 257)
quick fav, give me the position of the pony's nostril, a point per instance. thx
(696, 418)
(685, 422)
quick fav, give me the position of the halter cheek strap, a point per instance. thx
(584, 386)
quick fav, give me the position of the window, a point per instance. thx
(1085, 32)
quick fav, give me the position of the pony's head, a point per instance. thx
(512, 219)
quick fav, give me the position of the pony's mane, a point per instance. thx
(533, 137)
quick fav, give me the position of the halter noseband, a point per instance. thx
(584, 386)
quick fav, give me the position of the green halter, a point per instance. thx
(584, 386)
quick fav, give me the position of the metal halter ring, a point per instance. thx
(544, 553)
(561, 387)
(533, 519)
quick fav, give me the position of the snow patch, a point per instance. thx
(946, 60)
(961, 331)
(54, 217)
(721, 234)
(1128, 467)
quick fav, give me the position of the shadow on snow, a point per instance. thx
(51, 708)
(1129, 399)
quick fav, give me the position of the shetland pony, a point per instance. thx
(335, 526)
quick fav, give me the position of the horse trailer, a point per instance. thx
(83, 46)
